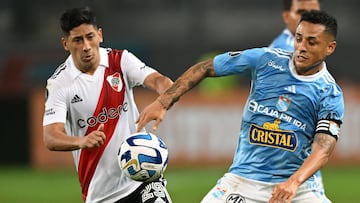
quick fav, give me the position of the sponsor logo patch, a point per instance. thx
(76, 99)
(272, 136)
(235, 198)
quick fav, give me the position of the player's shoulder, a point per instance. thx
(282, 53)
(108, 51)
(60, 72)
(122, 54)
(63, 74)
(275, 57)
(330, 85)
(270, 51)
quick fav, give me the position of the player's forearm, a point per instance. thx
(186, 82)
(322, 149)
(311, 165)
(163, 84)
(59, 141)
(157, 82)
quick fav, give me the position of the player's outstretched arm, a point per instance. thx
(56, 139)
(322, 148)
(156, 110)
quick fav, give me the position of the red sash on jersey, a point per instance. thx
(110, 97)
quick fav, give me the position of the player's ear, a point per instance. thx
(100, 33)
(331, 47)
(285, 16)
(64, 43)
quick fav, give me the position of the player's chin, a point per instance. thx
(88, 61)
(87, 64)
(301, 65)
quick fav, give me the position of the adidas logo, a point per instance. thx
(76, 99)
(291, 89)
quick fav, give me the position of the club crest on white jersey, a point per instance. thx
(115, 82)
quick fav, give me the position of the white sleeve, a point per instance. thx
(55, 104)
(135, 70)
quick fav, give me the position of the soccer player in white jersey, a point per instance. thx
(90, 110)
(291, 120)
(291, 14)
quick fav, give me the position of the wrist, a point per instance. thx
(164, 104)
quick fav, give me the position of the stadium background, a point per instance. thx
(169, 35)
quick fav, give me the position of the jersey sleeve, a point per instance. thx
(332, 105)
(135, 69)
(55, 104)
(231, 63)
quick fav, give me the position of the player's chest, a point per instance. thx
(283, 90)
(83, 95)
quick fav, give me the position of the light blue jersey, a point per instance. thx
(284, 41)
(281, 113)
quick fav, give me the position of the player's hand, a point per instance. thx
(155, 111)
(94, 139)
(284, 192)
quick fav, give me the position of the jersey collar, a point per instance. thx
(308, 78)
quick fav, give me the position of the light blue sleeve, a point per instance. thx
(332, 106)
(231, 63)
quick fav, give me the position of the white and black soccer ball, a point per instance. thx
(143, 157)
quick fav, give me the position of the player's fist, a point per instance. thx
(94, 139)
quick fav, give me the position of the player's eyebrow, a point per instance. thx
(300, 11)
(311, 38)
(308, 37)
(90, 33)
(86, 35)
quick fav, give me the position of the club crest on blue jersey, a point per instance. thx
(283, 103)
(115, 81)
(271, 135)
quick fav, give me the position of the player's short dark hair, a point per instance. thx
(323, 18)
(288, 3)
(74, 17)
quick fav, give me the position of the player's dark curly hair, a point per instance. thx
(288, 3)
(323, 18)
(76, 16)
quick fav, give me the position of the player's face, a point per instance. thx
(292, 17)
(83, 44)
(312, 46)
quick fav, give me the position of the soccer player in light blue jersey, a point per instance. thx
(291, 14)
(291, 120)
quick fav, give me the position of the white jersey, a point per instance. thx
(84, 101)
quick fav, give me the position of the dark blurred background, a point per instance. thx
(169, 35)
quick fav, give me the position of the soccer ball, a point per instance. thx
(143, 157)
